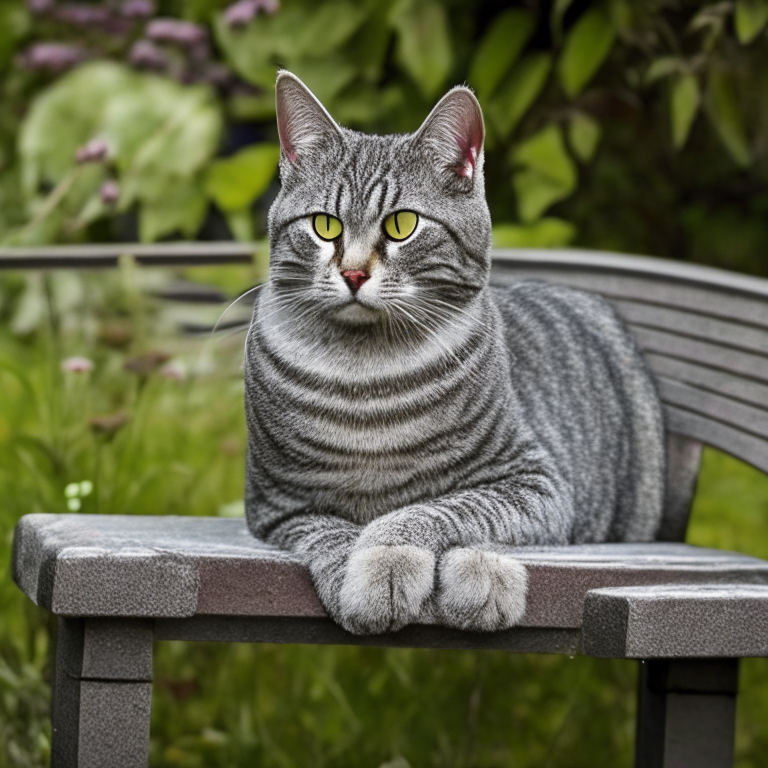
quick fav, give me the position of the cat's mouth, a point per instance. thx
(358, 313)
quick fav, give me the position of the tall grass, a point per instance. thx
(177, 447)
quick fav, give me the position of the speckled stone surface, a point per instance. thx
(677, 621)
(176, 567)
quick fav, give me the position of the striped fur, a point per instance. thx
(396, 435)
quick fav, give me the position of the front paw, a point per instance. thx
(481, 591)
(385, 588)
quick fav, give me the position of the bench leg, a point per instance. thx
(102, 693)
(686, 713)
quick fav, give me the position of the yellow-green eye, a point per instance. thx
(401, 224)
(327, 227)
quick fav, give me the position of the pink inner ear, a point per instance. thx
(469, 143)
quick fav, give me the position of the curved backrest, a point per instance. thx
(705, 334)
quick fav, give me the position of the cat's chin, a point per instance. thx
(356, 313)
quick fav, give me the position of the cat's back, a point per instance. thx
(590, 398)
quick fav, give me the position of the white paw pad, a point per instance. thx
(385, 588)
(481, 591)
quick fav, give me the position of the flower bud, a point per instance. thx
(109, 193)
(51, 57)
(184, 33)
(76, 365)
(92, 152)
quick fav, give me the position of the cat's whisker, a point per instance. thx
(239, 298)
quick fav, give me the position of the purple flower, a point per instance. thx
(269, 6)
(81, 15)
(76, 365)
(137, 9)
(146, 55)
(51, 57)
(240, 14)
(92, 152)
(184, 33)
(39, 7)
(109, 192)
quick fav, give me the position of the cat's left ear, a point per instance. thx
(453, 134)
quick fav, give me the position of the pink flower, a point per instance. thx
(92, 152)
(173, 371)
(109, 192)
(76, 365)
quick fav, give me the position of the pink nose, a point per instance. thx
(355, 278)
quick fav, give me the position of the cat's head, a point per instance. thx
(370, 228)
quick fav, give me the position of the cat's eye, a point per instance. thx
(401, 224)
(327, 227)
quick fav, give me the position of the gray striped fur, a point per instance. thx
(397, 436)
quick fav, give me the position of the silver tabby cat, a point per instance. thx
(404, 418)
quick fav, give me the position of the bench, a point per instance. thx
(119, 583)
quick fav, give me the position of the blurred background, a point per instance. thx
(639, 127)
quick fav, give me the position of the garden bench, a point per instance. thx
(120, 583)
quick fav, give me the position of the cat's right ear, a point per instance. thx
(303, 123)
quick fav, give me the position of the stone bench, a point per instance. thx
(120, 583)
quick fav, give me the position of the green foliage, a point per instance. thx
(548, 173)
(499, 49)
(750, 19)
(725, 115)
(236, 182)
(160, 136)
(586, 47)
(684, 103)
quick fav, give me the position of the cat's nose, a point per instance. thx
(355, 278)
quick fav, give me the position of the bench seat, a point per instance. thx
(207, 578)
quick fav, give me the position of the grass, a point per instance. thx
(180, 450)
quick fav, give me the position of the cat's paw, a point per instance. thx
(385, 588)
(481, 591)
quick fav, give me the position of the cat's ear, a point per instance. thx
(303, 123)
(453, 133)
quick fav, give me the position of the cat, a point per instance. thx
(404, 418)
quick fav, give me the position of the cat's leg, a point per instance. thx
(323, 543)
(440, 549)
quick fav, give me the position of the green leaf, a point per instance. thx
(241, 225)
(684, 100)
(586, 48)
(725, 115)
(663, 67)
(234, 183)
(583, 136)
(548, 232)
(559, 8)
(182, 209)
(423, 43)
(750, 18)
(329, 27)
(548, 173)
(545, 153)
(499, 49)
(518, 93)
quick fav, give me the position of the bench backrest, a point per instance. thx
(705, 335)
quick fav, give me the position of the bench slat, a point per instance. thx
(728, 306)
(177, 567)
(697, 326)
(736, 387)
(751, 420)
(743, 446)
